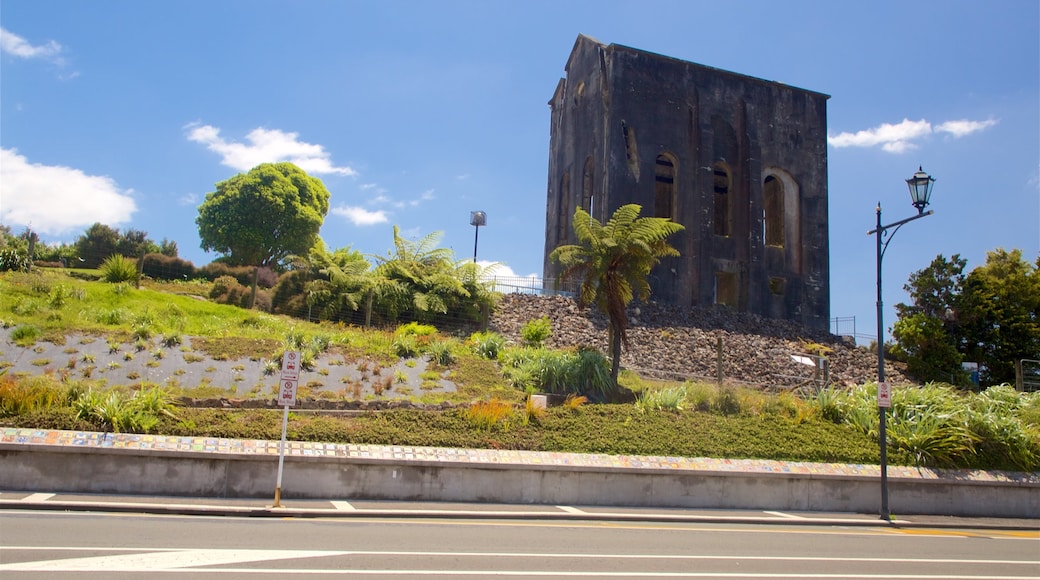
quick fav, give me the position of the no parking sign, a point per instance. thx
(290, 378)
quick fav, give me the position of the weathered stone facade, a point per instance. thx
(741, 162)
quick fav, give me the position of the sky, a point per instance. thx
(415, 114)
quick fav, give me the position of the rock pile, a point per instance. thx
(675, 343)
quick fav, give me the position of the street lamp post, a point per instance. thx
(920, 192)
(476, 219)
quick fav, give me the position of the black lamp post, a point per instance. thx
(477, 219)
(920, 191)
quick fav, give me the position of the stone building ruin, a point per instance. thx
(739, 161)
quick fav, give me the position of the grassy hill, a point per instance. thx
(79, 354)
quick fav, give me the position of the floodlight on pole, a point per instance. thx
(476, 219)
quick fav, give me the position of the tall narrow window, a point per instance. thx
(723, 202)
(773, 190)
(588, 198)
(664, 187)
(563, 208)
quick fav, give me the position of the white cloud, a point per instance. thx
(963, 127)
(892, 138)
(55, 199)
(15, 45)
(188, 199)
(360, 216)
(902, 137)
(266, 146)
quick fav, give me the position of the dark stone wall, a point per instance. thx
(622, 108)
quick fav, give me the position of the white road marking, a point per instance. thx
(38, 497)
(570, 510)
(783, 515)
(163, 561)
(344, 506)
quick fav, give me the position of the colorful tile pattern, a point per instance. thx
(405, 454)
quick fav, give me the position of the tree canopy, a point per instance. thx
(613, 261)
(262, 217)
(990, 316)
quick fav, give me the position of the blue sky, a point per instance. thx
(416, 113)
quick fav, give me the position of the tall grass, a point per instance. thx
(937, 425)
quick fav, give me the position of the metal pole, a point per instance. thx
(476, 234)
(882, 435)
(281, 460)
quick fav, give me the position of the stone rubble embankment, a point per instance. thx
(675, 343)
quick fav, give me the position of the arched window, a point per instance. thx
(563, 209)
(723, 200)
(773, 190)
(588, 198)
(664, 187)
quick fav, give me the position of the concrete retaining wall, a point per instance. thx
(55, 468)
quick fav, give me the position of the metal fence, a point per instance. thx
(532, 285)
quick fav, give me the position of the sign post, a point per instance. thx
(286, 398)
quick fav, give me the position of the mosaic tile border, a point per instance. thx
(91, 439)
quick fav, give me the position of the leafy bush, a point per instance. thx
(416, 329)
(487, 344)
(441, 352)
(160, 267)
(12, 260)
(667, 399)
(139, 412)
(535, 332)
(118, 268)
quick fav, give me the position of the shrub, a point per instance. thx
(441, 352)
(487, 344)
(25, 335)
(416, 329)
(535, 332)
(12, 260)
(666, 399)
(162, 267)
(118, 268)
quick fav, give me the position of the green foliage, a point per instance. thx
(938, 426)
(613, 261)
(11, 260)
(25, 335)
(581, 372)
(670, 399)
(487, 344)
(442, 352)
(138, 412)
(535, 332)
(96, 244)
(991, 316)
(262, 217)
(118, 268)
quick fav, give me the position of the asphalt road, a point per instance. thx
(39, 545)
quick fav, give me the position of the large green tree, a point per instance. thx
(262, 217)
(990, 316)
(96, 244)
(927, 331)
(1001, 314)
(613, 261)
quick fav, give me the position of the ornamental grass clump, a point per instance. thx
(118, 268)
(488, 415)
